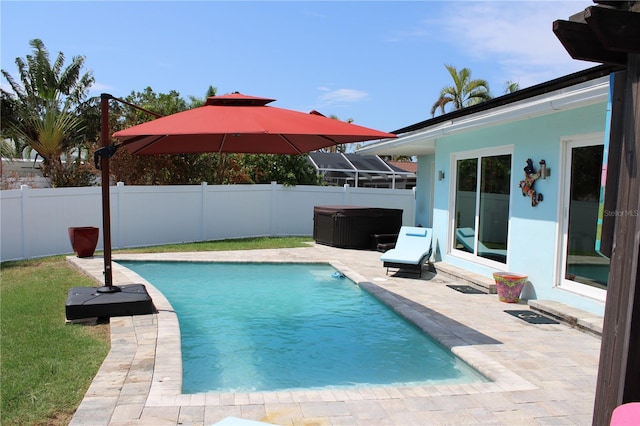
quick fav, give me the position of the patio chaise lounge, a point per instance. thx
(412, 249)
(466, 237)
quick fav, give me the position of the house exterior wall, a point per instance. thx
(535, 235)
(424, 198)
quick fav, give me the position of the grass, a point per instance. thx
(236, 244)
(46, 365)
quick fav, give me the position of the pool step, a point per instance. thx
(477, 281)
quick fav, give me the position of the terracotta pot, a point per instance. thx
(509, 285)
(84, 240)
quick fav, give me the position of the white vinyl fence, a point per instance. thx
(34, 222)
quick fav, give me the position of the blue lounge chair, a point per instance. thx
(412, 249)
(466, 237)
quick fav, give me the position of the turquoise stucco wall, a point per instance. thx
(425, 177)
(534, 233)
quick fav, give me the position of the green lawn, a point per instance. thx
(46, 365)
(238, 244)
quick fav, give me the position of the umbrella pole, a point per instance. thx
(106, 204)
(101, 159)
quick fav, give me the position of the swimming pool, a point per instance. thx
(258, 327)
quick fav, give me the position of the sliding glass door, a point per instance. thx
(481, 206)
(584, 269)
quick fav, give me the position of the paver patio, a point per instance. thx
(541, 374)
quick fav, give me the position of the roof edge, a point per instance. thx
(526, 93)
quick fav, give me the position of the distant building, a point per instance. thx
(22, 172)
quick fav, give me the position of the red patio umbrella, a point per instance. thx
(241, 124)
(230, 123)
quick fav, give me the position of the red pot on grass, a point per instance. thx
(84, 240)
(509, 285)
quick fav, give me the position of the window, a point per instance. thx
(481, 206)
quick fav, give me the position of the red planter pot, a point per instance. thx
(84, 240)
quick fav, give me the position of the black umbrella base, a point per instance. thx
(92, 302)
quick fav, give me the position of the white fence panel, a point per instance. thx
(11, 225)
(386, 198)
(48, 215)
(292, 210)
(34, 222)
(152, 215)
(42, 218)
(237, 211)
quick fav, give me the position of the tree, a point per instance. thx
(464, 92)
(163, 169)
(285, 169)
(43, 82)
(511, 86)
(196, 102)
(342, 148)
(48, 133)
(42, 113)
(406, 158)
(8, 108)
(213, 168)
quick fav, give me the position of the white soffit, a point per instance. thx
(423, 141)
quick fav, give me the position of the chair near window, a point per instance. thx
(411, 251)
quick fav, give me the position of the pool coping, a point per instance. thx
(142, 373)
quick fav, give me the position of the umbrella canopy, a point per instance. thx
(241, 124)
(230, 123)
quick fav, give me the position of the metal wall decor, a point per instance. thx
(530, 177)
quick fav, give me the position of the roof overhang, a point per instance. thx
(423, 141)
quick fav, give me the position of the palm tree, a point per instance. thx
(43, 82)
(195, 102)
(50, 136)
(45, 104)
(463, 93)
(511, 86)
(336, 148)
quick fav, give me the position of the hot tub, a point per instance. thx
(353, 226)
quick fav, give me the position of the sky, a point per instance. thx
(380, 63)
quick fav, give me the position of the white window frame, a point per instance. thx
(451, 238)
(567, 144)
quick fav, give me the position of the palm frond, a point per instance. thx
(511, 86)
(48, 135)
(463, 92)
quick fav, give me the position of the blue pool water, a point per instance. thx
(259, 327)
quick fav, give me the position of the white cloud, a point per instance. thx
(518, 34)
(339, 96)
(516, 30)
(97, 88)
